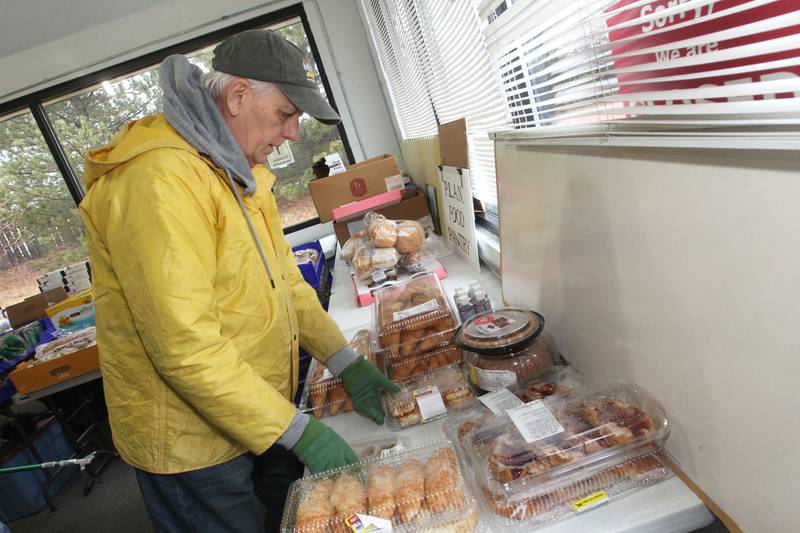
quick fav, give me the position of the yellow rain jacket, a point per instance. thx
(199, 353)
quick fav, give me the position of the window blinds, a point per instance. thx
(649, 68)
(405, 60)
(453, 71)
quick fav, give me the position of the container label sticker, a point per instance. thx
(430, 403)
(500, 401)
(395, 183)
(326, 374)
(493, 324)
(428, 306)
(590, 502)
(535, 421)
(379, 276)
(362, 523)
(492, 380)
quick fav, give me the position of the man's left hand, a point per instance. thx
(364, 383)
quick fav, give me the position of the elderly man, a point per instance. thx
(201, 309)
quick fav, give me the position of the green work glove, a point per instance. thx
(320, 448)
(364, 383)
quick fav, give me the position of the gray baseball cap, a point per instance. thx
(263, 55)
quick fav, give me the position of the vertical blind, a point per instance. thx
(454, 71)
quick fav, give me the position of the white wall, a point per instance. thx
(336, 25)
(679, 269)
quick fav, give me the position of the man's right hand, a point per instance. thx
(320, 448)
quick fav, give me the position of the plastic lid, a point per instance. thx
(500, 332)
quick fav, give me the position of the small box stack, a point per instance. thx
(73, 278)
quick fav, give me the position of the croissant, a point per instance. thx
(410, 491)
(315, 510)
(380, 492)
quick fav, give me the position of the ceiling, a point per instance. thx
(30, 23)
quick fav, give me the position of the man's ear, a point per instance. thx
(234, 96)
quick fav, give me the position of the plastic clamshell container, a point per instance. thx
(596, 426)
(413, 317)
(324, 395)
(381, 446)
(505, 347)
(418, 365)
(569, 495)
(558, 381)
(427, 398)
(419, 489)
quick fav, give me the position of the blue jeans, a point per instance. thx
(222, 498)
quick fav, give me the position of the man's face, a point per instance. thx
(263, 121)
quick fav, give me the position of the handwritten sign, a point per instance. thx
(459, 214)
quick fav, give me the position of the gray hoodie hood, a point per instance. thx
(189, 108)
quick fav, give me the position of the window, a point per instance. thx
(89, 119)
(438, 70)
(40, 228)
(663, 68)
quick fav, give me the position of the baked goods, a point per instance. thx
(353, 243)
(348, 497)
(315, 510)
(414, 319)
(440, 473)
(404, 407)
(369, 259)
(400, 368)
(505, 347)
(417, 489)
(380, 492)
(382, 232)
(308, 255)
(410, 236)
(325, 395)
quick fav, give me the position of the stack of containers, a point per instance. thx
(415, 327)
(418, 489)
(324, 395)
(73, 278)
(549, 459)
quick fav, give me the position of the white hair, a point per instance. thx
(215, 83)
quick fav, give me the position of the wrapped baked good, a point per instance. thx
(413, 318)
(353, 243)
(381, 231)
(410, 236)
(539, 461)
(323, 394)
(427, 398)
(369, 260)
(417, 489)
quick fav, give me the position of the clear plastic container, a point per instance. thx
(420, 489)
(427, 398)
(382, 446)
(572, 447)
(505, 347)
(413, 317)
(568, 496)
(324, 395)
(557, 381)
(418, 365)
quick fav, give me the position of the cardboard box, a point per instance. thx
(28, 378)
(362, 180)
(354, 209)
(413, 206)
(33, 308)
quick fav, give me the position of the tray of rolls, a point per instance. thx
(419, 489)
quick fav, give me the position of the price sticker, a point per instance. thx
(535, 421)
(590, 502)
(430, 403)
(362, 523)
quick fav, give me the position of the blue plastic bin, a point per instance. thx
(312, 272)
(22, 493)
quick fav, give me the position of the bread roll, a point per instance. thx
(383, 233)
(409, 236)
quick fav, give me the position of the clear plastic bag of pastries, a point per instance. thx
(420, 489)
